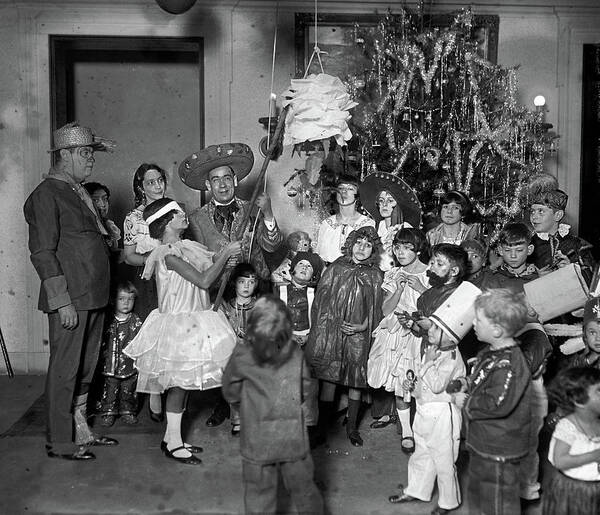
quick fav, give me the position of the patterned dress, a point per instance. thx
(395, 349)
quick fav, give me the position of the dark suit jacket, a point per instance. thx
(202, 225)
(67, 249)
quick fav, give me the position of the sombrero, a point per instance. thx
(402, 193)
(194, 169)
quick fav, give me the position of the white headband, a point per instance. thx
(171, 206)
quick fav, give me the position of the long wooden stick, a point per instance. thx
(9, 369)
(257, 187)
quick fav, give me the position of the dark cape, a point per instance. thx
(347, 292)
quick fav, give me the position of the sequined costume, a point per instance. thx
(120, 377)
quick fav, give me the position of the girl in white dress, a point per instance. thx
(183, 345)
(396, 350)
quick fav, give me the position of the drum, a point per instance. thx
(558, 292)
(455, 316)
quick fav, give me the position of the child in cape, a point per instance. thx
(183, 344)
(396, 350)
(497, 404)
(346, 310)
(267, 378)
(574, 486)
(118, 397)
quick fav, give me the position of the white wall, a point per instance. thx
(238, 39)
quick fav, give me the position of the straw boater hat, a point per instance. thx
(194, 169)
(402, 192)
(73, 135)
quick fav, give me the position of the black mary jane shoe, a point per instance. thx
(80, 455)
(188, 460)
(440, 511)
(407, 449)
(355, 438)
(103, 441)
(194, 449)
(155, 417)
(235, 429)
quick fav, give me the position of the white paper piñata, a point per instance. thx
(319, 110)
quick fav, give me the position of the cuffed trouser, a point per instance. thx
(437, 437)
(493, 486)
(260, 485)
(530, 464)
(73, 359)
(119, 396)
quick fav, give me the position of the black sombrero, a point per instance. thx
(402, 192)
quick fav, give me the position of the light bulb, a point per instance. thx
(539, 101)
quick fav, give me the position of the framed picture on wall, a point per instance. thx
(337, 34)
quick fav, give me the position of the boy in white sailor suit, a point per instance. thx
(298, 295)
(437, 420)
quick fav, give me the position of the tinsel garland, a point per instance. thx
(437, 113)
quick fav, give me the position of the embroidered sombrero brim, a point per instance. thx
(406, 197)
(194, 169)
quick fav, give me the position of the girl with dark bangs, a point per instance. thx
(346, 310)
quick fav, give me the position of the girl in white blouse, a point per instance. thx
(574, 449)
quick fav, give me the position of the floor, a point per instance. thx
(135, 477)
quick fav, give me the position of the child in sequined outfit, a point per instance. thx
(119, 374)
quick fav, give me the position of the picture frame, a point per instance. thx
(337, 34)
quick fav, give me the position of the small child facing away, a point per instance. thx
(119, 398)
(574, 487)
(497, 405)
(267, 378)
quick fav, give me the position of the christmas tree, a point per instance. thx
(436, 113)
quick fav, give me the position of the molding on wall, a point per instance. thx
(573, 33)
(35, 26)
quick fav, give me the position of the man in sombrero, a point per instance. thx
(69, 252)
(218, 169)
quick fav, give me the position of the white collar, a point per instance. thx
(563, 230)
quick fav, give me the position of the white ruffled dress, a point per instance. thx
(395, 349)
(183, 343)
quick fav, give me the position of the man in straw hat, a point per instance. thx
(217, 169)
(69, 252)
